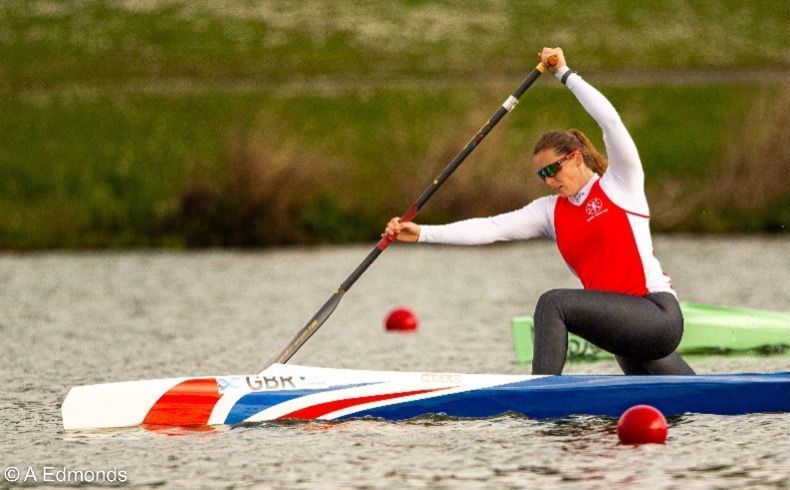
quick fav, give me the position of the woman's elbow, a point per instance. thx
(612, 123)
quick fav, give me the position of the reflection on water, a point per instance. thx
(70, 319)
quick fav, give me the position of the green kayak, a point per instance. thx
(708, 330)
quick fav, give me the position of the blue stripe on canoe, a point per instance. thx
(559, 396)
(258, 401)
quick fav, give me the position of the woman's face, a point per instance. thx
(571, 175)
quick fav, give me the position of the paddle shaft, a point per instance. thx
(326, 310)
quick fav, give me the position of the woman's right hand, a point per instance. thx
(402, 231)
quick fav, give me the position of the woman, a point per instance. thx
(599, 218)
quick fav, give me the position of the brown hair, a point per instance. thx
(567, 141)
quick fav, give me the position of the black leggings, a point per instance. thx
(641, 331)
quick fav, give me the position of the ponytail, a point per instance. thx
(568, 141)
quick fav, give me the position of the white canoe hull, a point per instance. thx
(301, 392)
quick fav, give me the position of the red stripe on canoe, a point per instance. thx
(187, 403)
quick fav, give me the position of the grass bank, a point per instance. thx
(101, 168)
(202, 123)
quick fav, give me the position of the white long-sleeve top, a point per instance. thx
(623, 183)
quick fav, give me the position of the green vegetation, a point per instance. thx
(102, 42)
(174, 123)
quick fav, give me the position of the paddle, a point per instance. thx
(321, 316)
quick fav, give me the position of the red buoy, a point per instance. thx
(642, 424)
(401, 319)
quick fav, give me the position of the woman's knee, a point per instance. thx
(549, 302)
(666, 343)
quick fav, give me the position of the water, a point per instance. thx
(70, 319)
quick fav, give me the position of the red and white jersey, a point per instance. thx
(602, 232)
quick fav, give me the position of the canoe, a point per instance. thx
(286, 391)
(708, 330)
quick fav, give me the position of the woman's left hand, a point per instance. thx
(547, 52)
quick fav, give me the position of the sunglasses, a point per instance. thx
(551, 169)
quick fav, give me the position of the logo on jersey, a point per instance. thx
(594, 209)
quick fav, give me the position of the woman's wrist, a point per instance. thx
(421, 236)
(561, 71)
(564, 78)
